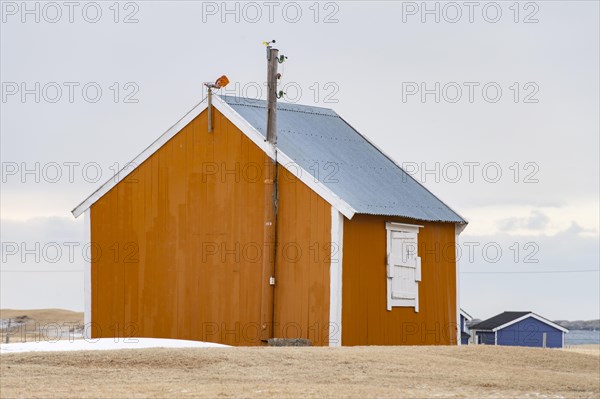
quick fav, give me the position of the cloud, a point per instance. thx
(42, 229)
(537, 220)
(576, 229)
(38, 269)
(580, 216)
(563, 290)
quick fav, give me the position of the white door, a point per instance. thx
(403, 270)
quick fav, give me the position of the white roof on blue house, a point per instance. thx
(334, 159)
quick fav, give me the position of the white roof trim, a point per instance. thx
(540, 318)
(283, 159)
(151, 149)
(242, 124)
(246, 128)
(467, 316)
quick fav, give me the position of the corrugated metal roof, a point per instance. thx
(333, 152)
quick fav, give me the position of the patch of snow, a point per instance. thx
(104, 344)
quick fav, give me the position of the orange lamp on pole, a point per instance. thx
(219, 83)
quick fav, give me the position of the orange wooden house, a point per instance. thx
(362, 253)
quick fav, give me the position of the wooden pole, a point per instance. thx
(272, 57)
(270, 201)
(210, 111)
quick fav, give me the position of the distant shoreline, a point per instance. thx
(586, 325)
(582, 337)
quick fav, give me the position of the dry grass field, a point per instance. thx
(591, 349)
(358, 372)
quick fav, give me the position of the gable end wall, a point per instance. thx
(175, 245)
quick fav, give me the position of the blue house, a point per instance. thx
(519, 329)
(464, 330)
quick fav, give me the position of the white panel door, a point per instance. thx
(403, 270)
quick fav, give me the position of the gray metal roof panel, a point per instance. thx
(324, 145)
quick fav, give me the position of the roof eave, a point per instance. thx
(535, 316)
(247, 129)
(463, 221)
(518, 319)
(148, 151)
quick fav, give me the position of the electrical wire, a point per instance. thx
(535, 272)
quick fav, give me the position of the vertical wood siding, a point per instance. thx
(529, 332)
(365, 318)
(302, 270)
(178, 245)
(176, 241)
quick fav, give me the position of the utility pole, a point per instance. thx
(270, 197)
(272, 77)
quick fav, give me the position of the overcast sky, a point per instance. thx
(494, 107)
